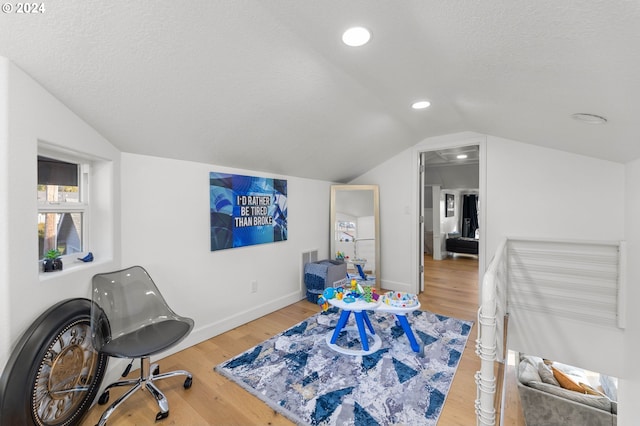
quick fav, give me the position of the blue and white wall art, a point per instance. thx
(246, 210)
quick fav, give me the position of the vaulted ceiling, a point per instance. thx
(268, 85)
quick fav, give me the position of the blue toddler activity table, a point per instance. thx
(365, 328)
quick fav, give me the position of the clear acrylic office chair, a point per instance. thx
(131, 319)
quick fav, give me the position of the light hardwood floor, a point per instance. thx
(451, 288)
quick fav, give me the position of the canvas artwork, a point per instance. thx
(246, 210)
(450, 205)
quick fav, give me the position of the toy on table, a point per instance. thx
(323, 303)
(328, 293)
(349, 294)
(400, 304)
(399, 299)
(367, 294)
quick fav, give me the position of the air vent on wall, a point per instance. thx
(307, 257)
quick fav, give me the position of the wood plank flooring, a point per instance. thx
(451, 288)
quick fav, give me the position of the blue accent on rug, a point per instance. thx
(298, 329)
(372, 360)
(437, 376)
(396, 331)
(426, 338)
(299, 376)
(296, 360)
(244, 359)
(310, 378)
(332, 310)
(454, 357)
(327, 404)
(403, 371)
(436, 401)
(466, 328)
(362, 418)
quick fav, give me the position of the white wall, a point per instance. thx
(165, 228)
(30, 114)
(630, 387)
(545, 193)
(5, 303)
(397, 201)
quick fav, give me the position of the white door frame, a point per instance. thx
(447, 142)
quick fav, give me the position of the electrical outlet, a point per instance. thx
(254, 286)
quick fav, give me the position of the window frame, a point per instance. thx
(82, 206)
(340, 229)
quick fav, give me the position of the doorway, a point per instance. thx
(449, 199)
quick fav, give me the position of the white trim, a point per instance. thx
(86, 167)
(448, 142)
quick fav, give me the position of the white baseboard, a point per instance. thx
(202, 333)
(207, 331)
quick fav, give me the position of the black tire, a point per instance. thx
(65, 329)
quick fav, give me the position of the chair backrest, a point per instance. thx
(126, 301)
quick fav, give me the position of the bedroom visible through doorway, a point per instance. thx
(450, 201)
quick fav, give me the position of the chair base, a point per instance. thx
(148, 375)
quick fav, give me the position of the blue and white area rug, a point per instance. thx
(299, 376)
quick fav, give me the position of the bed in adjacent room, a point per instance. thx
(462, 245)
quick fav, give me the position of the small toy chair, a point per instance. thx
(131, 319)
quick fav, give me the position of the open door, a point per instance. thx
(421, 223)
(435, 222)
(453, 171)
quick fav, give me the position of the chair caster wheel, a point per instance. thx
(162, 415)
(156, 371)
(104, 398)
(187, 382)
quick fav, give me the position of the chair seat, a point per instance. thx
(148, 340)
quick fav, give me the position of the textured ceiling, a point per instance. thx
(267, 85)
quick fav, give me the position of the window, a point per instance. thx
(345, 230)
(62, 205)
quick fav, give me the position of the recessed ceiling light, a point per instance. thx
(461, 156)
(356, 36)
(589, 118)
(421, 105)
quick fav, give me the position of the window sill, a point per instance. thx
(69, 268)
